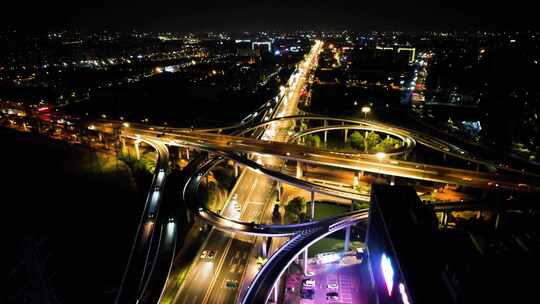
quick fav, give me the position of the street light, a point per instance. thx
(366, 110)
(380, 155)
(126, 125)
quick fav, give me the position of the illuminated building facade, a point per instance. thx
(402, 263)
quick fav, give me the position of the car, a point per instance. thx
(307, 294)
(204, 254)
(310, 273)
(332, 286)
(233, 284)
(151, 216)
(332, 296)
(211, 255)
(308, 282)
(260, 262)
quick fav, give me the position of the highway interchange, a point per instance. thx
(262, 144)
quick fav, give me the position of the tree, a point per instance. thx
(295, 208)
(372, 140)
(313, 140)
(389, 144)
(357, 140)
(276, 216)
(358, 205)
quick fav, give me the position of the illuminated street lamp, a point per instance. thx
(366, 110)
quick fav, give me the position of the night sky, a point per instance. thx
(184, 16)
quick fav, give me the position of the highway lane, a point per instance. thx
(238, 254)
(136, 270)
(207, 278)
(235, 258)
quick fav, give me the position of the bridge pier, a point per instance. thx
(123, 141)
(345, 138)
(264, 251)
(312, 205)
(347, 239)
(100, 137)
(325, 137)
(187, 153)
(405, 155)
(444, 156)
(137, 150)
(299, 170)
(444, 219)
(236, 169)
(305, 261)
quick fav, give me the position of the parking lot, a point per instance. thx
(336, 283)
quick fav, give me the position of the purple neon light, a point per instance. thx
(404, 296)
(388, 273)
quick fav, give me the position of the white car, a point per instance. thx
(332, 286)
(310, 274)
(308, 282)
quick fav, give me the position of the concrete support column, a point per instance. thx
(444, 157)
(299, 171)
(312, 205)
(137, 150)
(100, 137)
(187, 153)
(347, 239)
(325, 136)
(305, 261)
(264, 251)
(497, 219)
(278, 185)
(236, 169)
(444, 219)
(123, 141)
(345, 138)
